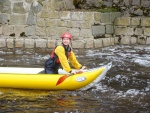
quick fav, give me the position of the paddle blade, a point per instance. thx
(61, 79)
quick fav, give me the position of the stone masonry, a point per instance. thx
(31, 24)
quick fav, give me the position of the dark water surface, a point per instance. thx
(125, 89)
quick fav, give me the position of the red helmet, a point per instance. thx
(67, 35)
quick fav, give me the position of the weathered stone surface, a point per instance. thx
(30, 30)
(122, 21)
(45, 5)
(85, 33)
(31, 19)
(125, 39)
(109, 29)
(97, 16)
(83, 24)
(1, 30)
(133, 40)
(10, 43)
(3, 19)
(148, 40)
(71, 24)
(126, 2)
(65, 5)
(61, 30)
(112, 40)
(138, 31)
(89, 43)
(69, 4)
(135, 21)
(98, 43)
(105, 18)
(5, 6)
(36, 7)
(78, 44)
(108, 35)
(138, 12)
(19, 43)
(17, 19)
(44, 21)
(7, 30)
(147, 31)
(98, 30)
(141, 39)
(76, 33)
(29, 1)
(117, 41)
(136, 2)
(89, 16)
(145, 21)
(65, 15)
(52, 31)
(124, 31)
(41, 43)
(51, 43)
(59, 42)
(59, 6)
(52, 22)
(43, 14)
(61, 23)
(114, 15)
(145, 3)
(76, 16)
(29, 43)
(107, 3)
(2, 42)
(18, 29)
(20, 7)
(52, 5)
(40, 31)
(41, 22)
(107, 42)
(54, 14)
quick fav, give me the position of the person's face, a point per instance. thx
(66, 41)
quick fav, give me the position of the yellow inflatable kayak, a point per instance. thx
(32, 78)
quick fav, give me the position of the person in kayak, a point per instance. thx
(60, 56)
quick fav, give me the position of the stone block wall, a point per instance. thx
(132, 30)
(31, 24)
(126, 7)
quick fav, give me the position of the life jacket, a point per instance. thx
(55, 57)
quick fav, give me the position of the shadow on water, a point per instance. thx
(125, 89)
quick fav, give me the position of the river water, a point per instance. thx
(125, 89)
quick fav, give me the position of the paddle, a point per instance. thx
(62, 78)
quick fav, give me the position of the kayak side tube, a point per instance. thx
(99, 78)
(83, 81)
